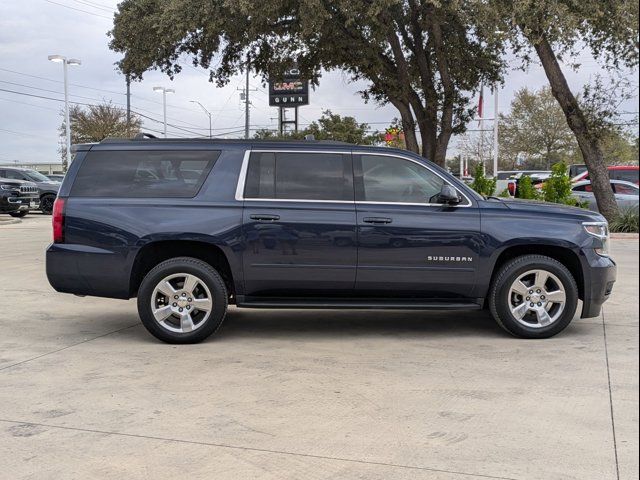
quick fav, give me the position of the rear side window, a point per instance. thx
(299, 176)
(143, 174)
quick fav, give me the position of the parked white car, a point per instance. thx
(626, 194)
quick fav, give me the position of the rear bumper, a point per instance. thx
(600, 277)
(85, 270)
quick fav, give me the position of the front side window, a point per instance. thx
(396, 180)
(143, 174)
(299, 176)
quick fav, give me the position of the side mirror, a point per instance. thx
(448, 195)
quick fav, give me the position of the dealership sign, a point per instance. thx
(291, 91)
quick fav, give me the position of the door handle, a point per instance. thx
(264, 217)
(377, 220)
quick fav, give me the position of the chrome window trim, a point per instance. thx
(245, 165)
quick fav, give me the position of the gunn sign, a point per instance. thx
(291, 91)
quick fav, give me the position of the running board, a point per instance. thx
(358, 303)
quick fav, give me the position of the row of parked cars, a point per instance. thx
(623, 178)
(23, 190)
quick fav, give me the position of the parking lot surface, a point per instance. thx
(86, 392)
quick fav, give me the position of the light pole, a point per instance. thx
(164, 104)
(65, 62)
(496, 118)
(208, 114)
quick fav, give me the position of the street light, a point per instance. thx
(65, 62)
(164, 104)
(205, 111)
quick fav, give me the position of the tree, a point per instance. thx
(329, 126)
(426, 58)
(536, 128)
(553, 30)
(97, 122)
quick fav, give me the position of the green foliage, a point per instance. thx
(526, 190)
(626, 222)
(557, 188)
(481, 184)
(505, 193)
(329, 126)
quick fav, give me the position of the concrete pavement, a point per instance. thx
(85, 392)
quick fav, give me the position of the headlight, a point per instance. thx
(599, 230)
(8, 187)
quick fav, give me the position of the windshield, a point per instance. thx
(36, 176)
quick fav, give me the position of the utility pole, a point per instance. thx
(128, 100)
(244, 96)
(247, 110)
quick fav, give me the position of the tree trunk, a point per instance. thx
(588, 143)
(408, 124)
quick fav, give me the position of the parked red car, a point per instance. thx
(627, 173)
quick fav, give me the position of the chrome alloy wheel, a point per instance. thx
(537, 298)
(181, 303)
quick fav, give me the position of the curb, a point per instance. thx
(625, 236)
(11, 221)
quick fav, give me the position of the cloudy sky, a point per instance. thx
(31, 87)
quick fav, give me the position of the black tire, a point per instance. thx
(499, 295)
(46, 204)
(20, 214)
(207, 275)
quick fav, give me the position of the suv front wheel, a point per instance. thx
(182, 300)
(533, 296)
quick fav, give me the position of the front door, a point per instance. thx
(408, 244)
(299, 224)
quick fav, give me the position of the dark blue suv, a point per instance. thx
(190, 226)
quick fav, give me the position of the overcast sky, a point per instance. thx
(30, 30)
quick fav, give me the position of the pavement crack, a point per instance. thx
(6, 367)
(613, 423)
(260, 450)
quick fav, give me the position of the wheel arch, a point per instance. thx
(563, 254)
(155, 252)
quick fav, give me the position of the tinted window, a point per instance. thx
(623, 189)
(14, 175)
(299, 176)
(138, 174)
(395, 180)
(626, 175)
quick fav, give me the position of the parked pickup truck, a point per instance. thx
(18, 197)
(191, 226)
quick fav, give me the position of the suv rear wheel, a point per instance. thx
(182, 300)
(533, 296)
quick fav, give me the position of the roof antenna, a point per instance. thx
(309, 137)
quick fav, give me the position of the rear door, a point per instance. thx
(408, 244)
(298, 223)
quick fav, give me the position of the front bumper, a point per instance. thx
(600, 275)
(24, 202)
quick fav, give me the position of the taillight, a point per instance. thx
(512, 188)
(57, 220)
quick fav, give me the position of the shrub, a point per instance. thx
(505, 193)
(481, 184)
(526, 189)
(626, 222)
(557, 189)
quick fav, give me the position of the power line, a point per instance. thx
(78, 10)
